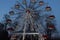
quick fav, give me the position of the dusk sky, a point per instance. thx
(5, 6)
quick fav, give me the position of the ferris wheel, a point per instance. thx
(29, 17)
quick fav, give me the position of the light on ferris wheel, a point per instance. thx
(11, 12)
(10, 29)
(8, 20)
(41, 3)
(24, 2)
(48, 8)
(45, 36)
(51, 27)
(51, 16)
(17, 6)
(33, 1)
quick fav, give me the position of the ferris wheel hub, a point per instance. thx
(28, 11)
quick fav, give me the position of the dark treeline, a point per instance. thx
(3, 33)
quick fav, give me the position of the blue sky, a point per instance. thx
(5, 6)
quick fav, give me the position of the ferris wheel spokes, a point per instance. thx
(32, 3)
(25, 2)
(20, 4)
